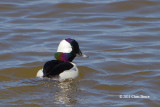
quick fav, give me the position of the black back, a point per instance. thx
(55, 67)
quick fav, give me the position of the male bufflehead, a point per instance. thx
(62, 68)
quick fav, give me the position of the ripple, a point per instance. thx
(7, 7)
(130, 5)
(112, 87)
(141, 19)
(73, 5)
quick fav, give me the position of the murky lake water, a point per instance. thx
(122, 38)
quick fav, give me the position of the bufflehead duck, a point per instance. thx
(62, 68)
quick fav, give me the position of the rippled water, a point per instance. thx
(122, 38)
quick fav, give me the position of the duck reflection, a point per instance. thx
(67, 93)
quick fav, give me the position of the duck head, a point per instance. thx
(67, 50)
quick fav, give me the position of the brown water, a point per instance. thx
(122, 38)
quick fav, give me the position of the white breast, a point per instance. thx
(64, 47)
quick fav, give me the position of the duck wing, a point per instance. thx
(55, 67)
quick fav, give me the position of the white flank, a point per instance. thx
(69, 74)
(64, 47)
(40, 73)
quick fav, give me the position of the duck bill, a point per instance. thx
(82, 55)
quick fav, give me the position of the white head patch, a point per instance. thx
(64, 47)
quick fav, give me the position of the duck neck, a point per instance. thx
(64, 56)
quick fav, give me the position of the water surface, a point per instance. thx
(120, 36)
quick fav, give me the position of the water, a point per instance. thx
(120, 36)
